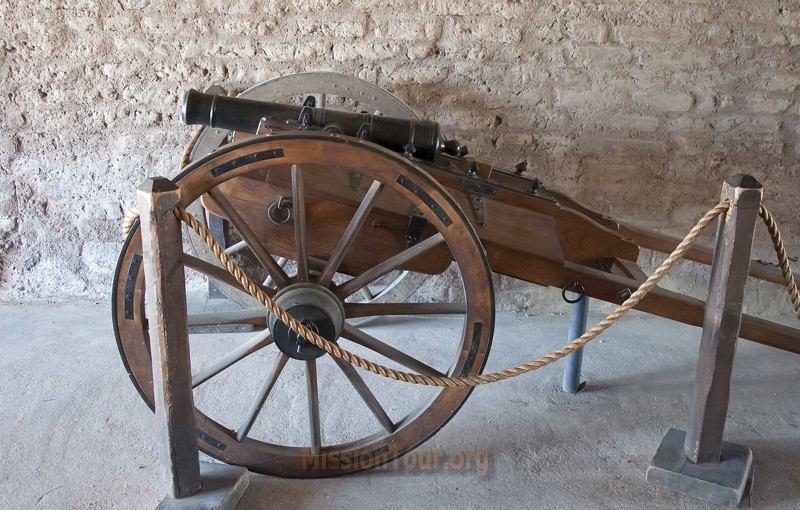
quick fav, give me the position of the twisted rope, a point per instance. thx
(783, 258)
(187, 150)
(131, 215)
(445, 381)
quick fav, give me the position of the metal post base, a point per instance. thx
(726, 483)
(223, 487)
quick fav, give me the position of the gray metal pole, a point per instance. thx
(723, 316)
(578, 313)
(169, 337)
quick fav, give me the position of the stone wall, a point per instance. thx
(638, 109)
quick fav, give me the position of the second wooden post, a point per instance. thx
(698, 462)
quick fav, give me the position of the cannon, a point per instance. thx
(419, 138)
(333, 211)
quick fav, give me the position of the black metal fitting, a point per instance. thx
(416, 225)
(576, 287)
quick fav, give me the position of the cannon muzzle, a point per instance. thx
(421, 138)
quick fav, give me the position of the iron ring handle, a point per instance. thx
(276, 206)
(575, 287)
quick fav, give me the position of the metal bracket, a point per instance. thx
(476, 189)
(365, 131)
(477, 185)
(476, 201)
(305, 117)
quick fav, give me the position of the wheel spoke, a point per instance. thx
(366, 395)
(368, 295)
(313, 406)
(261, 253)
(353, 310)
(220, 274)
(236, 248)
(350, 233)
(255, 316)
(387, 266)
(282, 263)
(370, 342)
(300, 233)
(263, 393)
(252, 345)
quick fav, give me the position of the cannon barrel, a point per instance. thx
(420, 137)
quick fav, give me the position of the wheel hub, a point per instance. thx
(317, 308)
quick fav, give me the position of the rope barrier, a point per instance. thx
(446, 381)
(131, 215)
(783, 258)
(187, 150)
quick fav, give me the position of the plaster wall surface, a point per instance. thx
(637, 109)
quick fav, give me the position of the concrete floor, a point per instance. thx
(78, 436)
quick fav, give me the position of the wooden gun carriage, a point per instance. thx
(335, 212)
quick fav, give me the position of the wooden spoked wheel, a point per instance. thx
(267, 400)
(331, 90)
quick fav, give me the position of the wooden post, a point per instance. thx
(698, 462)
(169, 337)
(723, 315)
